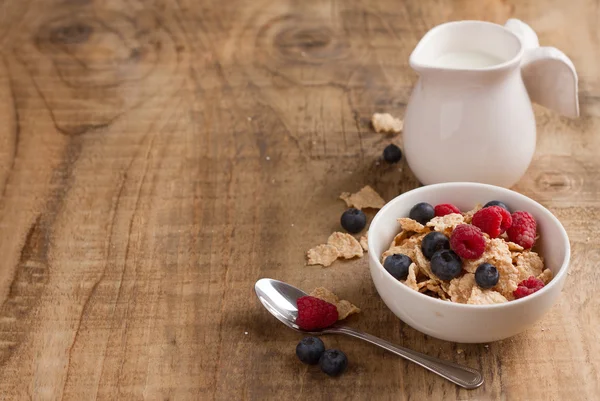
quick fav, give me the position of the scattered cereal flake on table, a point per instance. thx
(461, 288)
(485, 297)
(363, 199)
(545, 276)
(445, 224)
(411, 280)
(529, 264)
(411, 225)
(346, 244)
(385, 122)
(364, 241)
(514, 247)
(324, 255)
(469, 215)
(459, 351)
(345, 308)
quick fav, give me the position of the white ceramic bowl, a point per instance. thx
(460, 322)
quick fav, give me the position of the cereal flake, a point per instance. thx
(364, 241)
(423, 263)
(346, 244)
(411, 225)
(422, 286)
(461, 287)
(496, 251)
(546, 276)
(514, 247)
(385, 122)
(363, 199)
(529, 264)
(400, 237)
(323, 255)
(345, 308)
(435, 288)
(445, 224)
(469, 215)
(411, 280)
(402, 249)
(485, 297)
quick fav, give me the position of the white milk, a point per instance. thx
(467, 59)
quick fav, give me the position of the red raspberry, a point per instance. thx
(528, 287)
(467, 241)
(445, 208)
(523, 229)
(492, 220)
(314, 313)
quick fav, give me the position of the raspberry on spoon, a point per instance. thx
(314, 313)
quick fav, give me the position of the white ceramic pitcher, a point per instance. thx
(470, 116)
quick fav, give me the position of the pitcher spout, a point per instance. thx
(467, 46)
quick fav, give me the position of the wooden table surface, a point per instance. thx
(158, 157)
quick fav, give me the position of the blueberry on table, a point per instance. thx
(333, 362)
(496, 203)
(433, 242)
(392, 154)
(397, 265)
(309, 350)
(353, 220)
(422, 212)
(486, 275)
(446, 264)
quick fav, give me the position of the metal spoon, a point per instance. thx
(280, 299)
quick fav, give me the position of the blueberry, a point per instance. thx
(446, 264)
(353, 220)
(397, 265)
(496, 203)
(422, 212)
(333, 362)
(309, 350)
(486, 275)
(433, 242)
(392, 154)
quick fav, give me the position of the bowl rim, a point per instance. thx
(547, 215)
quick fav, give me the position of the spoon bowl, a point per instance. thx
(280, 298)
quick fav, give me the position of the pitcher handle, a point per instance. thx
(549, 75)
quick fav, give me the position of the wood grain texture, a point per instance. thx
(158, 157)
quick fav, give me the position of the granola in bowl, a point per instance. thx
(478, 257)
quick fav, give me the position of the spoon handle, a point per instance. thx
(463, 376)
